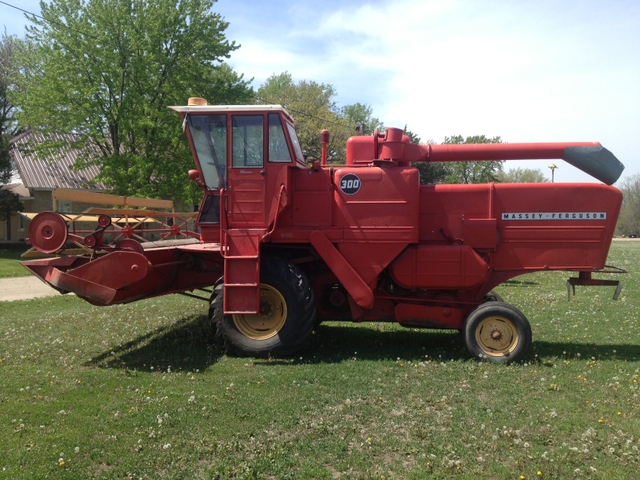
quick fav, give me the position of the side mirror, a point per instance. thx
(194, 175)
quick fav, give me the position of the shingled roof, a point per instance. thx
(55, 171)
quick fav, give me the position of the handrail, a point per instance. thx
(275, 218)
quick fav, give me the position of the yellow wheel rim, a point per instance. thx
(269, 321)
(497, 336)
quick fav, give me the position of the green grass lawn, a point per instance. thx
(9, 258)
(139, 391)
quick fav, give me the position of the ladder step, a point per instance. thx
(241, 298)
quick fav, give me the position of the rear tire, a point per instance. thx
(497, 332)
(286, 319)
(492, 296)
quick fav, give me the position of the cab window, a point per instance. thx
(278, 148)
(296, 143)
(248, 141)
(209, 136)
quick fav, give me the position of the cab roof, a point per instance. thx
(229, 108)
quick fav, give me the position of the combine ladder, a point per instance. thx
(241, 251)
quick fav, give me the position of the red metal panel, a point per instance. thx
(377, 211)
(361, 149)
(424, 316)
(368, 259)
(480, 233)
(443, 209)
(523, 242)
(354, 284)
(312, 209)
(385, 197)
(246, 196)
(440, 267)
(98, 280)
(115, 270)
(554, 226)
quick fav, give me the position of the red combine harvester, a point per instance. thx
(285, 246)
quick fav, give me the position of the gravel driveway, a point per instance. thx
(24, 288)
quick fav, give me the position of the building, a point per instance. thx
(39, 175)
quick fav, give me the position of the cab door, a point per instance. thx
(208, 134)
(246, 186)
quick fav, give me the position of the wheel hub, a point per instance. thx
(270, 318)
(497, 336)
(266, 309)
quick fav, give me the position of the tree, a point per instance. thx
(9, 46)
(360, 117)
(472, 172)
(629, 218)
(9, 201)
(107, 70)
(311, 103)
(430, 172)
(314, 107)
(522, 175)
(9, 204)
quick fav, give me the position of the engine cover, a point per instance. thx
(439, 266)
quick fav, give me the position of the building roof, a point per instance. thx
(56, 170)
(16, 188)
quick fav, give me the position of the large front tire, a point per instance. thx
(286, 318)
(497, 332)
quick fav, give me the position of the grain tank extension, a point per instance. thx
(282, 246)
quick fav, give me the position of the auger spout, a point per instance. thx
(590, 157)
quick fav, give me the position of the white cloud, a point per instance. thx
(550, 70)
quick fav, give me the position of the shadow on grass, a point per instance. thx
(188, 345)
(518, 283)
(184, 345)
(584, 351)
(333, 343)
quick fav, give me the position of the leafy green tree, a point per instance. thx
(9, 201)
(430, 172)
(414, 137)
(9, 204)
(522, 175)
(108, 69)
(314, 108)
(360, 117)
(472, 172)
(629, 218)
(9, 46)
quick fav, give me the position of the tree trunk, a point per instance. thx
(8, 226)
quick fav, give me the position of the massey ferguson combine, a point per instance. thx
(282, 246)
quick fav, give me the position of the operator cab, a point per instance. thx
(240, 153)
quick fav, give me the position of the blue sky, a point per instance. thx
(528, 71)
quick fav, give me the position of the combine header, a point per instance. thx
(285, 246)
